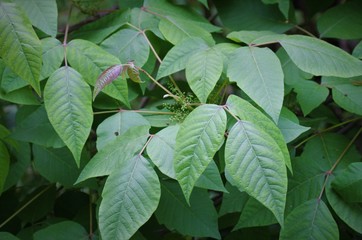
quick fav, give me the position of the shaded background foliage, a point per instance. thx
(283, 75)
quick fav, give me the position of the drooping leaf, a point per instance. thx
(111, 156)
(290, 129)
(200, 136)
(116, 125)
(20, 48)
(310, 220)
(53, 55)
(4, 163)
(90, 60)
(345, 93)
(128, 45)
(203, 70)
(257, 71)
(307, 53)
(68, 104)
(130, 196)
(254, 163)
(348, 183)
(197, 219)
(61, 231)
(177, 58)
(106, 78)
(42, 14)
(343, 21)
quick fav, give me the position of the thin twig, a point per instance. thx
(305, 31)
(144, 147)
(66, 36)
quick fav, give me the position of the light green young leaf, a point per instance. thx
(129, 198)
(310, 220)
(42, 14)
(254, 163)
(4, 164)
(62, 230)
(20, 47)
(308, 53)
(245, 111)
(348, 183)
(117, 125)
(200, 136)
(290, 129)
(68, 102)
(203, 70)
(346, 92)
(128, 45)
(111, 156)
(199, 218)
(91, 60)
(53, 55)
(177, 58)
(257, 71)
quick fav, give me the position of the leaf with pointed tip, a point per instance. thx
(203, 70)
(20, 47)
(4, 163)
(67, 101)
(258, 72)
(107, 77)
(62, 230)
(307, 53)
(200, 136)
(134, 74)
(254, 163)
(310, 220)
(121, 149)
(129, 198)
(177, 58)
(290, 129)
(211, 179)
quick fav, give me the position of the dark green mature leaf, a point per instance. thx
(200, 136)
(348, 183)
(211, 179)
(307, 53)
(257, 71)
(233, 201)
(255, 37)
(290, 129)
(20, 48)
(62, 231)
(91, 60)
(53, 55)
(346, 93)
(130, 196)
(310, 220)
(357, 51)
(254, 163)
(116, 125)
(23, 96)
(128, 45)
(67, 100)
(203, 70)
(7, 236)
(197, 219)
(115, 153)
(343, 21)
(42, 14)
(11, 81)
(350, 213)
(177, 58)
(4, 163)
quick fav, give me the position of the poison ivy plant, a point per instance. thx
(164, 119)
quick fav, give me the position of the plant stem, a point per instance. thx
(66, 36)
(137, 111)
(232, 114)
(146, 144)
(305, 31)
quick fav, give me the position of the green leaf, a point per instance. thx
(254, 37)
(33, 126)
(350, 213)
(175, 30)
(23, 96)
(145, 21)
(128, 45)
(67, 101)
(56, 165)
(246, 111)
(20, 48)
(42, 14)
(307, 53)
(310, 220)
(198, 219)
(200, 136)
(203, 70)
(90, 60)
(233, 201)
(53, 55)
(130, 196)
(117, 125)
(123, 148)
(7, 236)
(211, 179)
(177, 58)
(254, 163)
(11, 81)
(257, 71)
(357, 51)
(4, 163)
(343, 21)
(290, 129)
(346, 92)
(348, 183)
(62, 231)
